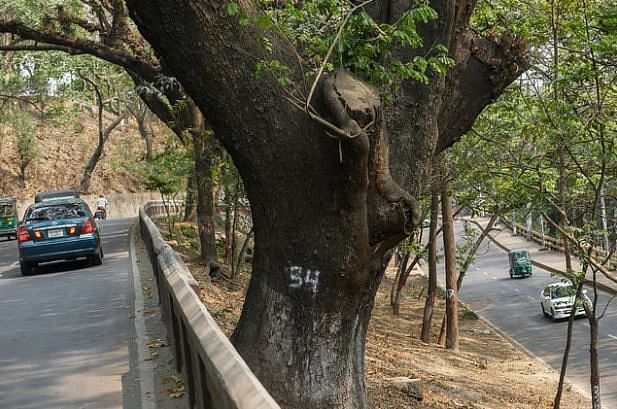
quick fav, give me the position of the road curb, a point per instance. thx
(145, 367)
(527, 352)
(515, 343)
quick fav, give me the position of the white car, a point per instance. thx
(557, 298)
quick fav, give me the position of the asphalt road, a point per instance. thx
(513, 305)
(65, 332)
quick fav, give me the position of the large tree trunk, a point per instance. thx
(325, 210)
(311, 321)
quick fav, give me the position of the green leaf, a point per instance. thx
(232, 9)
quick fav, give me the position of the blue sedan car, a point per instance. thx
(58, 229)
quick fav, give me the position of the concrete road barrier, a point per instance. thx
(217, 376)
(121, 205)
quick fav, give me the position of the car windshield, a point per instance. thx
(522, 256)
(567, 291)
(56, 212)
(6, 210)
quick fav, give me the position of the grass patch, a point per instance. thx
(468, 314)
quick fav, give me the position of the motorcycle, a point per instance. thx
(100, 213)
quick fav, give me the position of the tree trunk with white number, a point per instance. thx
(326, 212)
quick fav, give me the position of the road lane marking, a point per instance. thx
(531, 298)
(14, 264)
(612, 336)
(494, 278)
(517, 290)
(485, 273)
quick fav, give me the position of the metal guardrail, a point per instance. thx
(217, 376)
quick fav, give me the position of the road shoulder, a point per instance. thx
(153, 364)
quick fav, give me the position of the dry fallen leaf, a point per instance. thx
(176, 392)
(153, 355)
(157, 343)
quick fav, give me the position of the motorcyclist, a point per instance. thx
(102, 204)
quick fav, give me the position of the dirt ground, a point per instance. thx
(487, 372)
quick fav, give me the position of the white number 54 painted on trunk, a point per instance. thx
(301, 278)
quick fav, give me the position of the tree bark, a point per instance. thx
(596, 401)
(401, 279)
(393, 288)
(594, 363)
(22, 174)
(449, 245)
(228, 239)
(566, 351)
(205, 198)
(191, 199)
(432, 270)
(146, 133)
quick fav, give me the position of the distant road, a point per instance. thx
(513, 305)
(64, 332)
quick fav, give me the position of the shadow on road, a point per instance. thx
(47, 268)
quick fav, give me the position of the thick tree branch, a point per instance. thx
(41, 47)
(485, 67)
(5, 97)
(65, 18)
(148, 69)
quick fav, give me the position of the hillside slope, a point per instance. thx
(65, 145)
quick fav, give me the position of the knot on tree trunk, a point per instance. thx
(355, 107)
(506, 55)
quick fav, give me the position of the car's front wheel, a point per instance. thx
(26, 268)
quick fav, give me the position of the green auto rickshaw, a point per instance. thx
(8, 217)
(520, 263)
